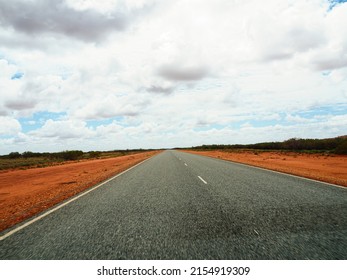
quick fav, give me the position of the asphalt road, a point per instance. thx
(162, 209)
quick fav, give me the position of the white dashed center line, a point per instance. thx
(202, 180)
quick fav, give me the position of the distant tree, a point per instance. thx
(29, 154)
(293, 144)
(14, 155)
(342, 148)
(69, 155)
(94, 154)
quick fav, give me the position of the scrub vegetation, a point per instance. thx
(337, 145)
(31, 159)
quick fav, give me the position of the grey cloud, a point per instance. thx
(20, 104)
(330, 63)
(296, 40)
(100, 114)
(3, 113)
(304, 39)
(278, 56)
(41, 16)
(161, 90)
(60, 135)
(201, 122)
(25, 42)
(179, 73)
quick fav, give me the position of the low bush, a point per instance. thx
(341, 149)
(68, 155)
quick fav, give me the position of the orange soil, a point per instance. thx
(331, 169)
(24, 193)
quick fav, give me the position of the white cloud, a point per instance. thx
(177, 73)
(56, 17)
(9, 126)
(63, 129)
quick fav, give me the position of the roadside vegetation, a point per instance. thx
(31, 159)
(337, 145)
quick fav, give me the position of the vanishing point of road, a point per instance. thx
(182, 206)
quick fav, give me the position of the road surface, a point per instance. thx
(183, 206)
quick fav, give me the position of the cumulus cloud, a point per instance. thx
(56, 17)
(330, 61)
(111, 106)
(290, 43)
(279, 31)
(332, 55)
(63, 129)
(186, 73)
(9, 126)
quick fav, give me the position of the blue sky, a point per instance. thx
(333, 3)
(146, 74)
(38, 119)
(17, 76)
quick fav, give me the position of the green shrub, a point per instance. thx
(69, 155)
(341, 149)
(94, 154)
(14, 155)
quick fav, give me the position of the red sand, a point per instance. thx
(24, 193)
(327, 168)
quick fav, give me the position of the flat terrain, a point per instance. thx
(24, 193)
(183, 206)
(326, 168)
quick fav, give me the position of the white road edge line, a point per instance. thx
(288, 174)
(202, 180)
(274, 171)
(66, 203)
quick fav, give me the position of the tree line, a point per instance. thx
(66, 155)
(336, 145)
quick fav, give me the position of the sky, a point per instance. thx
(126, 74)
